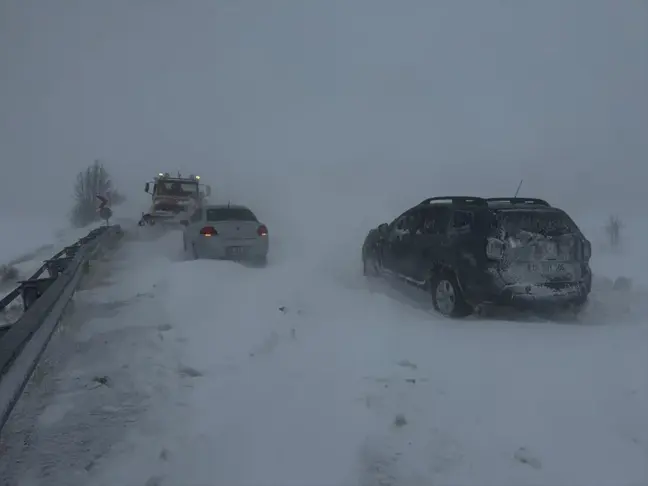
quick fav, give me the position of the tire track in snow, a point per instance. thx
(269, 385)
(489, 400)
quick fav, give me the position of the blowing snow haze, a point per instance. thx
(375, 102)
(326, 118)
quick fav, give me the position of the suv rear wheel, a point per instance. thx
(369, 267)
(447, 297)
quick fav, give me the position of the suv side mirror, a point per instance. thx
(146, 187)
(184, 222)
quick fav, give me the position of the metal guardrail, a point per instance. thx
(44, 299)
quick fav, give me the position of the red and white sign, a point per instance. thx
(104, 202)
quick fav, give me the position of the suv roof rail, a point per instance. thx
(519, 200)
(458, 200)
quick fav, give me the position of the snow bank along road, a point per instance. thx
(175, 372)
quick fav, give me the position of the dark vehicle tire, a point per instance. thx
(369, 267)
(260, 261)
(447, 297)
(576, 307)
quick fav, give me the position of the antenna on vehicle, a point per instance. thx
(518, 187)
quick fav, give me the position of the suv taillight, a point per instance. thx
(587, 250)
(208, 231)
(262, 230)
(495, 249)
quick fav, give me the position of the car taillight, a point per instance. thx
(587, 250)
(495, 249)
(262, 230)
(208, 231)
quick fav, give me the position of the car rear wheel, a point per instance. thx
(260, 261)
(447, 297)
(369, 267)
(576, 307)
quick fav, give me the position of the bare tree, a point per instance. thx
(613, 230)
(89, 183)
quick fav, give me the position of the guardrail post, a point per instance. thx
(71, 251)
(57, 266)
(31, 290)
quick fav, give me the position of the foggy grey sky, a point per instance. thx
(383, 100)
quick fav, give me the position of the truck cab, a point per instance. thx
(172, 198)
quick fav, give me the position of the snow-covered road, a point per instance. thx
(212, 373)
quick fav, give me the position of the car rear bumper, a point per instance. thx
(232, 249)
(533, 294)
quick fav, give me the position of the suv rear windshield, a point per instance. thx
(230, 214)
(547, 223)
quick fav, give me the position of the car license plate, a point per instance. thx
(235, 250)
(547, 267)
(553, 267)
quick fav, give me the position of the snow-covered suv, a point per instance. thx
(470, 251)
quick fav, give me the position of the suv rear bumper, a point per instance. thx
(520, 295)
(531, 295)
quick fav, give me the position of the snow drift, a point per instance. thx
(215, 373)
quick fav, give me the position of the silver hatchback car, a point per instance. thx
(228, 232)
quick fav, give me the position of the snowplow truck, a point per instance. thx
(173, 198)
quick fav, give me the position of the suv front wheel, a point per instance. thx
(447, 297)
(370, 266)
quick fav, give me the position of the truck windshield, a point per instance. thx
(176, 188)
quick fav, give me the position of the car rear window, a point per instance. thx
(548, 223)
(230, 214)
